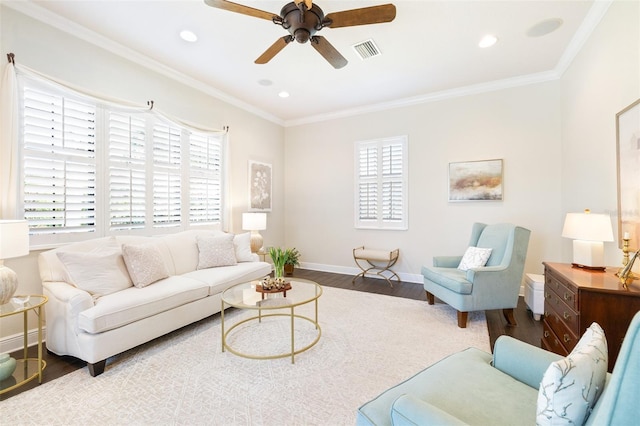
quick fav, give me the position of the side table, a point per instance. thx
(27, 368)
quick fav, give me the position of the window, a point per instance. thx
(381, 184)
(92, 170)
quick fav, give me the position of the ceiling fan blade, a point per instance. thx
(239, 8)
(274, 49)
(362, 16)
(329, 52)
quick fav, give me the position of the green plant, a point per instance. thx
(278, 257)
(292, 257)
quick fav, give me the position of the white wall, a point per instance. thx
(557, 140)
(68, 58)
(602, 80)
(521, 126)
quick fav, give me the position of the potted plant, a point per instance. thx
(292, 259)
(278, 257)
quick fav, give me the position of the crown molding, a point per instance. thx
(431, 97)
(41, 14)
(589, 24)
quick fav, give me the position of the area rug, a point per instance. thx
(369, 342)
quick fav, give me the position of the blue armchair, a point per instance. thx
(493, 286)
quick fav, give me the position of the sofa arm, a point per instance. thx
(446, 261)
(522, 361)
(408, 410)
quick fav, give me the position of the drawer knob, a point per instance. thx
(547, 295)
(566, 315)
(546, 333)
(566, 338)
(546, 313)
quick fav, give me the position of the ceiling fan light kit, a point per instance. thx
(303, 18)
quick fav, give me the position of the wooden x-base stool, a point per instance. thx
(378, 261)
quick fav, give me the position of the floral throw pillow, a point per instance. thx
(474, 257)
(571, 386)
(216, 251)
(144, 263)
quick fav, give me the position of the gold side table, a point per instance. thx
(27, 368)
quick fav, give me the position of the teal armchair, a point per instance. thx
(493, 286)
(474, 388)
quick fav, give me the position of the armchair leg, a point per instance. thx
(430, 298)
(462, 319)
(96, 368)
(509, 316)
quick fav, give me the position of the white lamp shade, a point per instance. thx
(14, 238)
(588, 227)
(254, 221)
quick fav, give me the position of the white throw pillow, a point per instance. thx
(144, 263)
(242, 244)
(216, 251)
(97, 273)
(571, 386)
(474, 257)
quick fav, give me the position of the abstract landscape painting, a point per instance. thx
(475, 181)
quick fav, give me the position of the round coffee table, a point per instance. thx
(244, 296)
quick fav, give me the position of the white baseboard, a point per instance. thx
(16, 342)
(348, 270)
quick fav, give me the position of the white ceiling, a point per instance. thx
(429, 51)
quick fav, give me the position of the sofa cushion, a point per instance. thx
(133, 304)
(214, 251)
(452, 278)
(571, 386)
(474, 257)
(144, 263)
(219, 279)
(242, 244)
(97, 273)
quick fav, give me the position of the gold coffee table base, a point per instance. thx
(293, 352)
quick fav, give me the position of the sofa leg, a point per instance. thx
(430, 298)
(97, 368)
(509, 316)
(462, 319)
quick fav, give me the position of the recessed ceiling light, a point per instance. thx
(283, 94)
(189, 36)
(488, 41)
(545, 27)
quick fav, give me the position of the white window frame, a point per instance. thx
(378, 180)
(103, 162)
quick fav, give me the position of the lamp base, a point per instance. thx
(256, 241)
(588, 255)
(8, 284)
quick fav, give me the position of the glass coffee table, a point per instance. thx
(244, 296)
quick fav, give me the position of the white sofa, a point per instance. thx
(97, 308)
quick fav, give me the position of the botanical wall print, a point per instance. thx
(628, 139)
(475, 181)
(259, 186)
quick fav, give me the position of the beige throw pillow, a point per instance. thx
(97, 273)
(216, 251)
(144, 263)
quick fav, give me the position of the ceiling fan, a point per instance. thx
(303, 18)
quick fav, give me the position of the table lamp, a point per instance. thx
(14, 242)
(254, 222)
(588, 232)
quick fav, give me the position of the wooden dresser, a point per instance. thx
(575, 298)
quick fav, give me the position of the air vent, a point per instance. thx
(366, 49)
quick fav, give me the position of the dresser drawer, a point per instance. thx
(554, 321)
(562, 311)
(551, 342)
(564, 292)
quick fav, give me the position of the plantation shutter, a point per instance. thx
(59, 164)
(381, 184)
(167, 186)
(205, 183)
(127, 177)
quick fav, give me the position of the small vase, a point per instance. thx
(7, 366)
(278, 271)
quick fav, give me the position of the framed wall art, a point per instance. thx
(259, 187)
(628, 153)
(475, 181)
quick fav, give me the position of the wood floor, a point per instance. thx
(527, 330)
